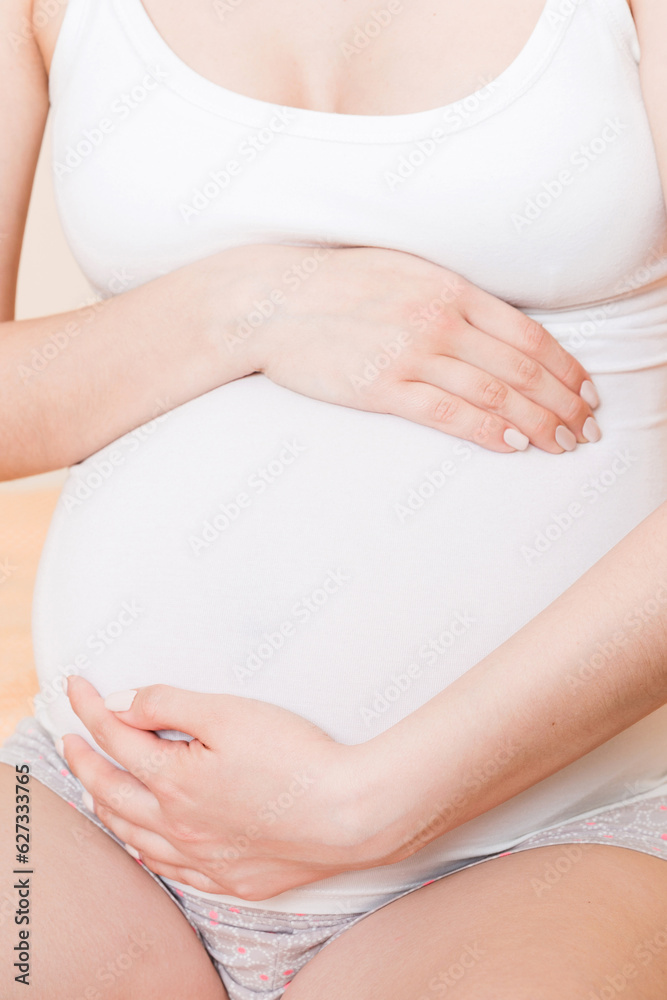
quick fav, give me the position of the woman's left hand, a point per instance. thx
(260, 801)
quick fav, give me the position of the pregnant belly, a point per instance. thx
(342, 564)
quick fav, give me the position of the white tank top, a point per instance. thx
(348, 565)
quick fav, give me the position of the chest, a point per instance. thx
(353, 57)
(541, 186)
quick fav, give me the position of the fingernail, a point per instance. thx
(130, 850)
(515, 439)
(119, 701)
(66, 685)
(589, 394)
(565, 438)
(88, 801)
(591, 430)
(60, 747)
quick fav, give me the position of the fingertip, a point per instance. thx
(68, 679)
(591, 430)
(589, 394)
(515, 439)
(120, 701)
(74, 681)
(565, 438)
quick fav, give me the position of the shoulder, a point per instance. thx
(46, 18)
(17, 28)
(650, 17)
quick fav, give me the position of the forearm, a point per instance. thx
(587, 667)
(74, 382)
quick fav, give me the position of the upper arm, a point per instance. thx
(24, 104)
(651, 20)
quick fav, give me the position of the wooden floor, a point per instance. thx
(24, 520)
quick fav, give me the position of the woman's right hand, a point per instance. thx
(390, 332)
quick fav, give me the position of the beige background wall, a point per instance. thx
(49, 282)
(49, 278)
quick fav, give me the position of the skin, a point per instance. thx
(474, 368)
(591, 921)
(343, 812)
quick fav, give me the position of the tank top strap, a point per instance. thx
(619, 16)
(78, 17)
(85, 19)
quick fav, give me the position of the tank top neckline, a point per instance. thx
(456, 116)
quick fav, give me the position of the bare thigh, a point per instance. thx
(101, 928)
(501, 930)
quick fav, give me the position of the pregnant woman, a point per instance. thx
(357, 577)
